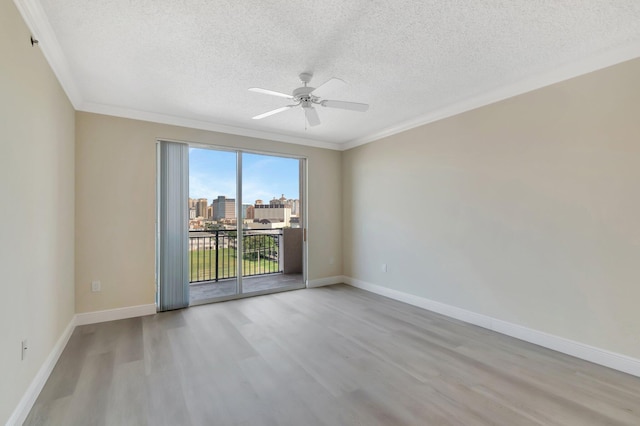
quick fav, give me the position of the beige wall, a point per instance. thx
(115, 205)
(527, 210)
(36, 210)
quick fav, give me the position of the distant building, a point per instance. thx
(295, 207)
(272, 212)
(245, 210)
(250, 212)
(295, 222)
(268, 225)
(201, 208)
(224, 208)
(293, 204)
(196, 225)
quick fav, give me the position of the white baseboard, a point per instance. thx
(115, 314)
(320, 282)
(583, 351)
(21, 411)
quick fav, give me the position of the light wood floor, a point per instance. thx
(328, 356)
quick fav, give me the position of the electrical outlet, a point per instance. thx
(96, 286)
(25, 346)
(384, 267)
(331, 261)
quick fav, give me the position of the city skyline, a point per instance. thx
(212, 173)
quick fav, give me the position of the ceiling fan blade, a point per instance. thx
(331, 85)
(275, 111)
(312, 116)
(353, 106)
(270, 92)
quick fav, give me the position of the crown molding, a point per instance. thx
(36, 20)
(202, 125)
(602, 60)
(38, 24)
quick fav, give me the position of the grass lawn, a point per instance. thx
(203, 264)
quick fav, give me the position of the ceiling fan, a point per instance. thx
(307, 97)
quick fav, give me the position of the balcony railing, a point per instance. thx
(213, 254)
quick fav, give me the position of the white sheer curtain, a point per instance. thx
(173, 226)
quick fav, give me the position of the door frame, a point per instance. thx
(303, 194)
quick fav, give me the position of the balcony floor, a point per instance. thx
(199, 292)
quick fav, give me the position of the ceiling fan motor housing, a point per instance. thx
(303, 94)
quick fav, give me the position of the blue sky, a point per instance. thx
(213, 173)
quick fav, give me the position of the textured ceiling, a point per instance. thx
(192, 61)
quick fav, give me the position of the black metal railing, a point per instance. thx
(213, 254)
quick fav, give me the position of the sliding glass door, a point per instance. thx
(272, 226)
(245, 224)
(213, 243)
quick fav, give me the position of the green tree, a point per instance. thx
(211, 226)
(259, 247)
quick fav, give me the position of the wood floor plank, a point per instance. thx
(328, 356)
(127, 397)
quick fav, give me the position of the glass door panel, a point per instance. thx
(272, 234)
(213, 248)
